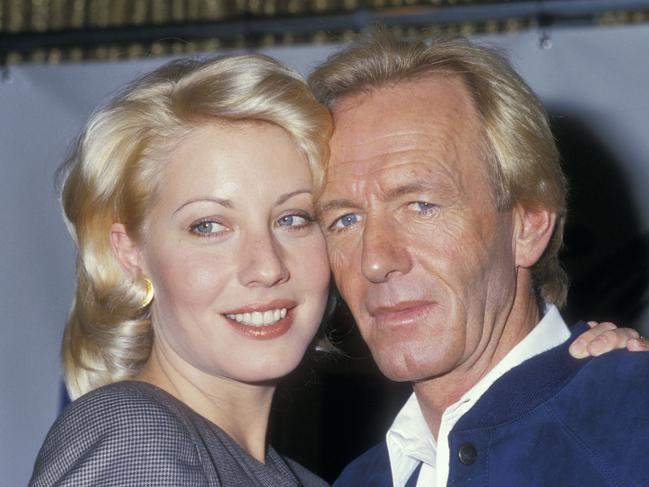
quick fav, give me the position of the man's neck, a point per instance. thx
(435, 395)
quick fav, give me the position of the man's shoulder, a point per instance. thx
(614, 380)
(604, 409)
(617, 362)
(616, 371)
(618, 376)
(589, 415)
(555, 375)
(372, 468)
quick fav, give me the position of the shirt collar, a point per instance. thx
(409, 440)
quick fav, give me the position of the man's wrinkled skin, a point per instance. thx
(437, 278)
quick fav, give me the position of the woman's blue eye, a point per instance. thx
(293, 221)
(346, 221)
(207, 227)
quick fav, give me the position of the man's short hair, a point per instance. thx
(520, 151)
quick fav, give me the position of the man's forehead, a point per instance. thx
(386, 170)
(425, 132)
(433, 111)
(371, 147)
(444, 91)
(389, 181)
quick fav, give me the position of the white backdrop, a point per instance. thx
(601, 75)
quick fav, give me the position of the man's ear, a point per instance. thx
(126, 250)
(532, 232)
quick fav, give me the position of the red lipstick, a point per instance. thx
(252, 320)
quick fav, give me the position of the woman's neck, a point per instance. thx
(239, 409)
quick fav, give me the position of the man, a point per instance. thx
(443, 214)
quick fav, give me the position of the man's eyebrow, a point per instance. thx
(334, 205)
(208, 199)
(408, 188)
(391, 193)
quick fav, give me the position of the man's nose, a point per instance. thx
(384, 253)
(263, 261)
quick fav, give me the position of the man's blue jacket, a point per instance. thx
(551, 421)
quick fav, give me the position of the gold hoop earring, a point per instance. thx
(148, 297)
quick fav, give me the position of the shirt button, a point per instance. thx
(467, 454)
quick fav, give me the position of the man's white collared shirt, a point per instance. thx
(409, 439)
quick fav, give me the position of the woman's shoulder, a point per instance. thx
(120, 408)
(124, 394)
(115, 434)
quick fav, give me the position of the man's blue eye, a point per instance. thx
(422, 207)
(346, 221)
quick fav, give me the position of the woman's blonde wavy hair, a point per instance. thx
(112, 174)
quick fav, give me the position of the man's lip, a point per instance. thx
(398, 307)
(402, 313)
(276, 304)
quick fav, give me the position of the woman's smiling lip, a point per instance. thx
(261, 307)
(262, 321)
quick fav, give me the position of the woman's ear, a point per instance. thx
(533, 230)
(126, 250)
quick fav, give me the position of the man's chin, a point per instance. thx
(409, 370)
(403, 372)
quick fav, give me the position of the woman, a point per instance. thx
(201, 277)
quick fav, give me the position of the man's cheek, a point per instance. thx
(339, 260)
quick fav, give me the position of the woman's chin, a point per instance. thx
(268, 373)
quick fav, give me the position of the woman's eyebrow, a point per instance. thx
(208, 199)
(226, 203)
(287, 196)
